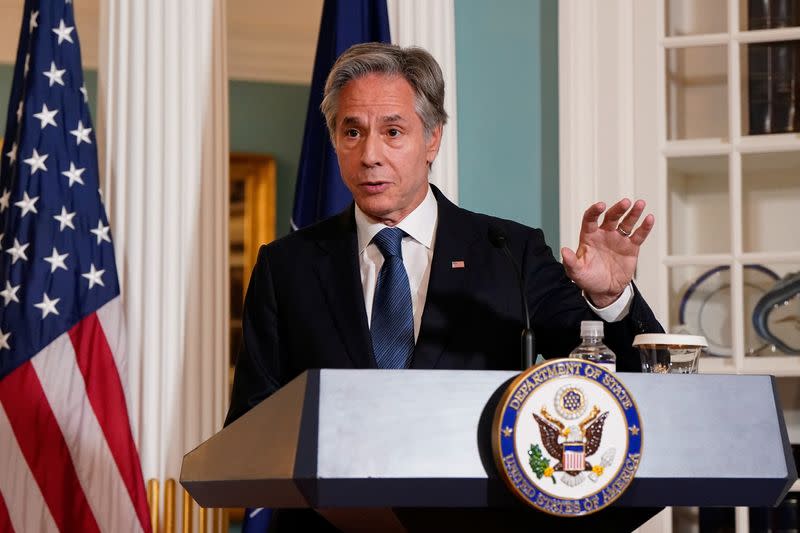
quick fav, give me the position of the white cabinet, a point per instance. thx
(675, 74)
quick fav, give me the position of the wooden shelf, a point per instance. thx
(702, 259)
(776, 365)
(696, 147)
(717, 365)
(703, 39)
(764, 36)
(774, 143)
(725, 259)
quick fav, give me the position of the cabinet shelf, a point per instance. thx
(694, 259)
(724, 259)
(766, 36)
(744, 37)
(778, 365)
(696, 147)
(781, 142)
(685, 41)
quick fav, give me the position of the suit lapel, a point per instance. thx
(448, 282)
(339, 276)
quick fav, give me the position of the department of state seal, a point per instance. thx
(567, 437)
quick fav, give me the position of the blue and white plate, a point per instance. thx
(706, 307)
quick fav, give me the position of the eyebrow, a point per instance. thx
(355, 121)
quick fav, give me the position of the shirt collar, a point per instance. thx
(420, 224)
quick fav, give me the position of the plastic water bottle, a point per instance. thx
(592, 348)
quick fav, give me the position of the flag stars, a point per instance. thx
(12, 154)
(27, 63)
(27, 204)
(47, 306)
(65, 219)
(9, 294)
(34, 21)
(4, 340)
(102, 232)
(81, 133)
(17, 252)
(36, 161)
(74, 174)
(85, 93)
(55, 75)
(46, 116)
(4, 200)
(20, 106)
(56, 260)
(94, 276)
(63, 31)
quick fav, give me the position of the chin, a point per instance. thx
(376, 209)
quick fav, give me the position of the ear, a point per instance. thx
(432, 148)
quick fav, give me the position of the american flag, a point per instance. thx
(573, 457)
(68, 461)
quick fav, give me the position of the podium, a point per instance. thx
(410, 450)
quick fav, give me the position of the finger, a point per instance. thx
(629, 222)
(643, 231)
(569, 260)
(591, 216)
(614, 213)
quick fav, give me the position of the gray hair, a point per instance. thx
(415, 65)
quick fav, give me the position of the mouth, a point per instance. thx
(374, 186)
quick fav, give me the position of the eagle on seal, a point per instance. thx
(585, 438)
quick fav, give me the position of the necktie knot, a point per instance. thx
(388, 241)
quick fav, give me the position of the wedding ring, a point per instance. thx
(626, 233)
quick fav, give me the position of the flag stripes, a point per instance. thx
(105, 394)
(84, 430)
(45, 450)
(56, 366)
(18, 487)
(5, 521)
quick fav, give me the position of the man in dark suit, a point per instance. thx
(405, 279)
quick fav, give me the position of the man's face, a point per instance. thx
(381, 146)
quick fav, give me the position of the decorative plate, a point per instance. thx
(706, 307)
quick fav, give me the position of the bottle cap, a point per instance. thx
(591, 328)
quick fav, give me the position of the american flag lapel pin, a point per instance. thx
(457, 264)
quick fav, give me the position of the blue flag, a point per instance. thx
(319, 192)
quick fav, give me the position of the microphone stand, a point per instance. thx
(527, 340)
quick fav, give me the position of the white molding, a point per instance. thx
(596, 102)
(599, 119)
(431, 25)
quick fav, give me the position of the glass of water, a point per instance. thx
(666, 353)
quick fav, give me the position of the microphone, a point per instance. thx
(527, 346)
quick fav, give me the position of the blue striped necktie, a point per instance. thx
(392, 324)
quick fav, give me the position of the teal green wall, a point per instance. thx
(506, 65)
(268, 118)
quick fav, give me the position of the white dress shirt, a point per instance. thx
(417, 246)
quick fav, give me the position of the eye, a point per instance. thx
(393, 132)
(351, 133)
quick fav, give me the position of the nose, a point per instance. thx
(372, 153)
